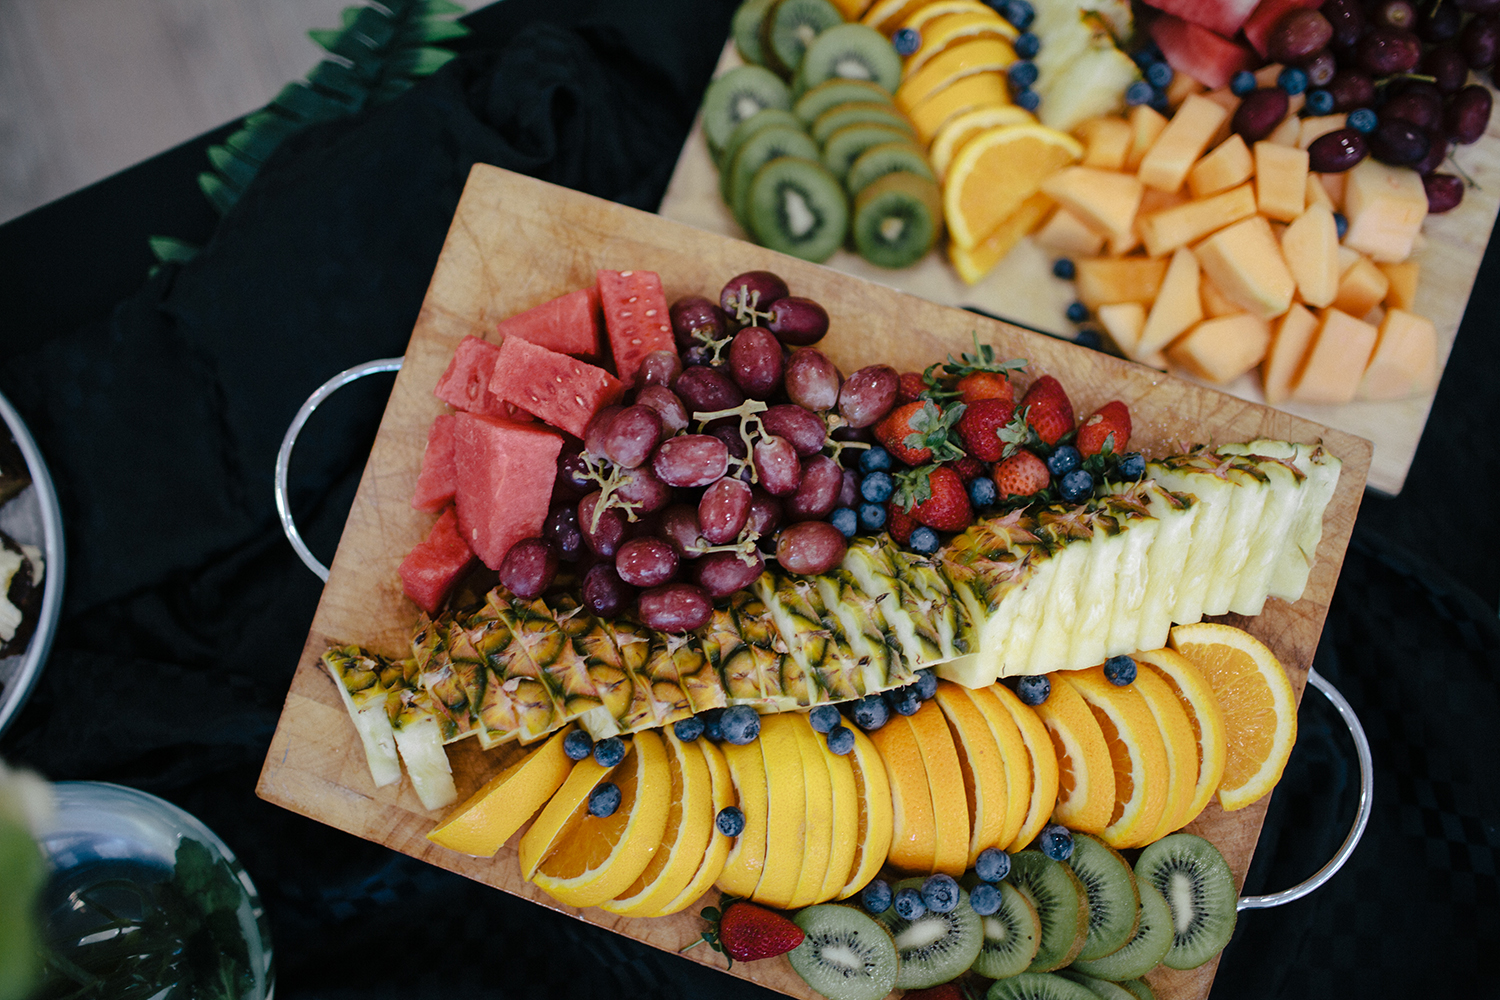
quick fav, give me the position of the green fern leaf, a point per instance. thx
(219, 193)
(170, 250)
(325, 38)
(340, 79)
(348, 15)
(420, 62)
(240, 170)
(262, 133)
(437, 7)
(430, 29)
(391, 89)
(377, 27)
(302, 102)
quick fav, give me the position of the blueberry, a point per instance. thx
(982, 492)
(876, 896)
(730, 821)
(984, 899)
(1242, 83)
(823, 718)
(1159, 103)
(1064, 460)
(711, 724)
(1159, 74)
(1132, 466)
(1145, 57)
(740, 725)
(875, 459)
(608, 753)
(940, 893)
(1019, 13)
(689, 729)
(845, 520)
(604, 799)
(1362, 120)
(926, 684)
(992, 865)
(1022, 74)
(1138, 92)
(923, 541)
(1119, 670)
(1056, 841)
(871, 712)
(1078, 312)
(1340, 224)
(1033, 689)
(906, 41)
(904, 701)
(841, 740)
(577, 745)
(877, 487)
(1320, 102)
(1027, 45)
(1292, 80)
(1028, 100)
(872, 516)
(1090, 338)
(1077, 485)
(908, 904)
(1064, 268)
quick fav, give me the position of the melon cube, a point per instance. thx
(1311, 248)
(1120, 244)
(568, 324)
(1336, 361)
(1224, 98)
(635, 317)
(1181, 143)
(1286, 133)
(1101, 280)
(1123, 321)
(1192, 49)
(1146, 124)
(1404, 362)
(1222, 349)
(1245, 262)
(1065, 233)
(1334, 184)
(1290, 338)
(1267, 74)
(1280, 180)
(1176, 308)
(1106, 142)
(1317, 126)
(1214, 302)
(1347, 259)
(1385, 207)
(435, 564)
(555, 388)
(1165, 231)
(1152, 200)
(1104, 199)
(1229, 165)
(504, 476)
(1317, 194)
(1361, 288)
(465, 385)
(436, 479)
(1181, 86)
(1402, 293)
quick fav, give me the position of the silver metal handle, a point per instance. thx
(284, 456)
(1361, 817)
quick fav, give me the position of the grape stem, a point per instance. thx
(1464, 173)
(743, 546)
(610, 478)
(751, 430)
(703, 336)
(744, 301)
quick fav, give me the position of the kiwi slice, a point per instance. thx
(744, 130)
(1114, 902)
(1199, 889)
(797, 207)
(886, 158)
(745, 30)
(1146, 947)
(1101, 988)
(1061, 905)
(758, 150)
(936, 947)
(859, 113)
(1011, 936)
(846, 954)
(843, 147)
(737, 95)
(850, 52)
(1038, 986)
(896, 220)
(811, 105)
(789, 27)
(1139, 989)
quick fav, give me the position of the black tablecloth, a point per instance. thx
(160, 404)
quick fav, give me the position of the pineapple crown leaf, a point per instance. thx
(914, 486)
(932, 428)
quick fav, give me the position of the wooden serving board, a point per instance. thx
(1023, 289)
(516, 242)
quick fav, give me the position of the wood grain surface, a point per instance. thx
(516, 242)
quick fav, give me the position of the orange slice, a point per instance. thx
(817, 841)
(481, 825)
(977, 91)
(718, 844)
(913, 826)
(1181, 746)
(1260, 709)
(886, 16)
(786, 814)
(1205, 716)
(941, 8)
(1046, 776)
(996, 171)
(945, 779)
(846, 821)
(975, 262)
(1015, 760)
(1085, 771)
(942, 33)
(876, 816)
(851, 9)
(546, 833)
(963, 127)
(981, 55)
(748, 853)
(979, 760)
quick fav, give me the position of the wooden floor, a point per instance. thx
(89, 87)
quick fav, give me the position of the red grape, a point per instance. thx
(1446, 65)
(1423, 108)
(754, 289)
(1389, 50)
(1347, 18)
(1298, 35)
(797, 424)
(679, 526)
(674, 416)
(797, 321)
(689, 460)
(1437, 152)
(646, 562)
(868, 395)
(631, 436)
(1478, 6)
(1351, 89)
(1398, 142)
(696, 320)
(705, 390)
(605, 535)
(766, 513)
(1394, 14)
(776, 466)
(529, 568)
(571, 475)
(642, 488)
(593, 434)
(755, 361)
(1480, 41)
(604, 593)
(723, 573)
(561, 529)
(1468, 113)
(660, 368)
(849, 489)
(1259, 113)
(1337, 151)
(723, 510)
(1444, 192)
(1439, 23)
(1320, 68)
(676, 607)
(810, 547)
(812, 380)
(818, 493)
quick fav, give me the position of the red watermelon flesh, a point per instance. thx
(504, 473)
(1192, 49)
(430, 570)
(1265, 17)
(555, 388)
(568, 324)
(435, 481)
(1221, 16)
(635, 315)
(465, 385)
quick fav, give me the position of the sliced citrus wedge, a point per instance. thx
(996, 171)
(817, 841)
(1085, 772)
(913, 826)
(885, 16)
(945, 780)
(875, 824)
(1015, 759)
(942, 33)
(846, 821)
(1046, 777)
(547, 832)
(978, 55)
(963, 127)
(786, 792)
(747, 855)
(977, 91)
(1181, 746)
(718, 844)
(1137, 753)
(985, 788)
(494, 813)
(941, 8)
(1198, 700)
(973, 263)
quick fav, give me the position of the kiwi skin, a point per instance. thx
(1109, 930)
(1214, 895)
(1060, 916)
(834, 918)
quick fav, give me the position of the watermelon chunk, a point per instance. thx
(435, 564)
(504, 473)
(465, 385)
(435, 481)
(1222, 16)
(1265, 17)
(635, 315)
(1192, 49)
(557, 389)
(568, 324)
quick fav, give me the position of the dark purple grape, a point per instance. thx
(1351, 89)
(674, 416)
(812, 380)
(561, 529)
(865, 434)
(1480, 41)
(755, 361)
(849, 488)
(1336, 151)
(1478, 6)
(1347, 19)
(1422, 108)
(689, 460)
(1444, 192)
(571, 469)
(797, 424)
(646, 562)
(679, 526)
(593, 433)
(729, 433)
(810, 547)
(696, 320)
(1297, 35)
(631, 436)
(604, 535)
(797, 321)
(1468, 114)
(752, 290)
(1259, 113)
(1320, 69)
(1394, 14)
(705, 390)
(818, 493)
(723, 573)
(676, 607)
(766, 513)
(1439, 22)
(776, 466)
(1446, 65)
(529, 568)
(642, 488)
(868, 395)
(1389, 50)
(723, 510)
(604, 593)
(1398, 142)
(1437, 152)
(659, 368)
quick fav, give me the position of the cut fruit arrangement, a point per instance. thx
(809, 733)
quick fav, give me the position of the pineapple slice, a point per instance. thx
(752, 619)
(1284, 499)
(1245, 515)
(357, 675)
(868, 560)
(841, 675)
(669, 702)
(419, 738)
(632, 643)
(516, 699)
(551, 651)
(612, 685)
(1132, 572)
(1046, 649)
(955, 629)
(1206, 478)
(455, 683)
(809, 644)
(870, 638)
(1095, 602)
(1289, 577)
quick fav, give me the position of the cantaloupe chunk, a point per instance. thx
(1319, 125)
(1223, 348)
(1065, 233)
(1106, 142)
(1290, 337)
(1287, 133)
(1120, 244)
(1246, 263)
(1267, 74)
(1229, 165)
(1224, 98)
(1334, 185)
(1102, 280)
(1280, 180)
(1152, 200)
(1402, 293)
(1361, 288)
(1404, 362)
(1165, 231)
(1146, 125)
(1181, 87)
(1123, 321)
(1214, 302)
(1347, 259)
(1335, 363)
(973, 263)
(1385, 207)
(1177, 306)
(1311, 248)
(1317, 194)
(1166, 164)
(1104, 199)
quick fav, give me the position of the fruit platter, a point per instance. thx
(813, 730)
(1008, 157)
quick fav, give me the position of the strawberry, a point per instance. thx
(978, 375)
(985, 385)
(899, 523)
(920, 432)
(979, 428)
(968, 469)
(1047, 409)
(1107, 428)
(1022, 474)
(946, 504)
(909, 387)
(745, 931)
